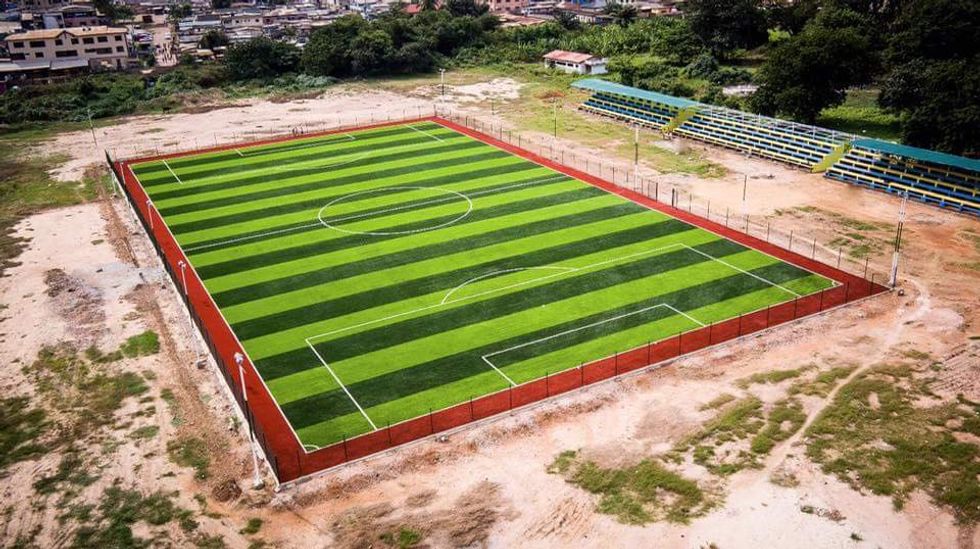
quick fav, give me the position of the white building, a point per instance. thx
(577, 63)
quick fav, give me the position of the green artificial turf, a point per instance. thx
(422, 268)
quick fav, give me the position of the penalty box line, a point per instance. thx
(342, 386)
(486, 358)
(347, 137)
(172, 172)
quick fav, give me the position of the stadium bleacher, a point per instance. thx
(928, 176)
(935, 178)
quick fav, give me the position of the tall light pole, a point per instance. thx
(556, 118)
(745, 191)
(183, 275)
(149, 212)
(442, 81)
(92, 127)
(898, 240)
(257, 480)
(636, 155)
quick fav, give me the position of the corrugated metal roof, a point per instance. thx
(568, 56)
(75, 31)
(924, 155)
(596, 84)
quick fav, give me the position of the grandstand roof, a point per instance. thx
(596, 84)
(916, 153)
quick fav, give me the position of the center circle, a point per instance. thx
(440, 196)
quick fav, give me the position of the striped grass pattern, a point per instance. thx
(377, 275)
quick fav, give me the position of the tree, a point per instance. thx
(462, 8)
(566, 19)
(328, 52)
(176, 12)
(261, 58)
(813, 69)
(213, 39)
(932, 55)
(112, 10)
(623, 15)
(726, 25)
(428, 5)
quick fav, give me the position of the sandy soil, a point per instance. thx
(488, 485)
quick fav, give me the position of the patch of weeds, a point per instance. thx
(144, 344)
(86, 392)
(190, 452)
(146, 432)
(252, 527)
(782, 422)
(717, 402)
(823, 383)
(640, 493)
(118, 510)
(94, 354)
(772, 376)
(70, 475)
(210, 542)
(403, 538)
(915, 354)
(562, 462)
(21, 425)
(877, 435)
(856, 537)
(736, 421)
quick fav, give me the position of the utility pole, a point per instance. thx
(745, 204)
(92, 127)
(442, 81)
(636, 153)
(257, 480)
(556, 118)
(898, 240)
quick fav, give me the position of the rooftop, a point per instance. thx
(44, 34)
(595, 84)
(924, 155)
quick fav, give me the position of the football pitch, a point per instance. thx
(377, 275)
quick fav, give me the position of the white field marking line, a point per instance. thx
(310, 447)
(493, 291)
(193, 249)
(685, 315)
(429, 202)
(743, 271)
(486, 357)
(342, 386)
(502, 271)
(499, 371)
(469, 208)
(423, 132)
(348, 137)
(319, 224)
(172, 172)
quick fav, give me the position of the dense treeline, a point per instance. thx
(803, 54)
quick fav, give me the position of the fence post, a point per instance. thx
(432, 425)
(345, 447)
(389, 432)
(547, 385)
(813, 254)
(471, 407)
(840, 252)
(740, 325)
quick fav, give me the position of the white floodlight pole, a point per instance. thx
(149, 212)
(257, 480)
(442, 82)
(183, 274)
(745, 190)
(898, 240)
(636, 155)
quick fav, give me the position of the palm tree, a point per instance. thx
(623, 15)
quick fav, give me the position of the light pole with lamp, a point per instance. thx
(149, 212)
(257, 481)
(183, 275)
(442, 82)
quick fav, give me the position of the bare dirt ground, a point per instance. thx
(487, 485)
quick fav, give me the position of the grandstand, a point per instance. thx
(928, 176)
(934, 178)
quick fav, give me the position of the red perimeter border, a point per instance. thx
(291, 461)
